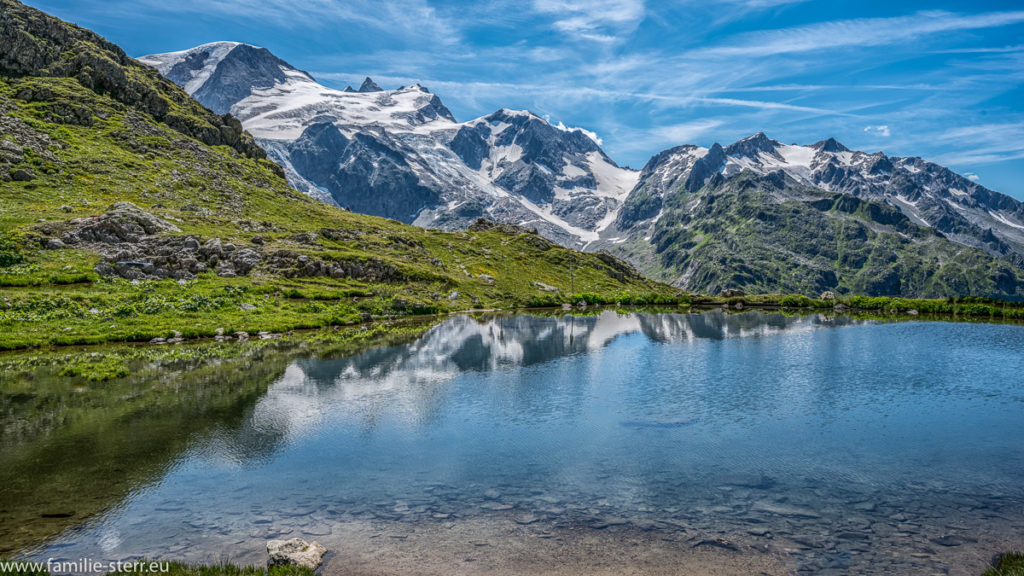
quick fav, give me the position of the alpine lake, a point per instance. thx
(604, 443)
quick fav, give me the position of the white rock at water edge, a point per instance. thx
(295, 551)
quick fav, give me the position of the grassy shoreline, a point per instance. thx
(99, 360)
(115, 311)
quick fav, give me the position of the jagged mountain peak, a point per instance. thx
(221, 74)
(369, 85)
(830, 145)
(752, 146)
(516, 166)
(511, 115)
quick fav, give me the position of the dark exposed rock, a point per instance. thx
(369, 85)
(23, 175)
(245, 260)
(368, 173)
(616, 267)
(242, 70)
(292, 264)
(135, 245)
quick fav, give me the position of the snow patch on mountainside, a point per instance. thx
(285, 110)
(1005, 220)
(612, 181)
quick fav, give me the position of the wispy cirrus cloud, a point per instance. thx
(694, 131)
(856, 32)
(600, 20)
(415, 18)
(982, 143)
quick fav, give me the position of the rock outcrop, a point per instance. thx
(137, 245)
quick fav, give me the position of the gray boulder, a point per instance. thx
(245, 260)
(226, 269)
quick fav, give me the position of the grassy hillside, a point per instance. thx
(85, 127)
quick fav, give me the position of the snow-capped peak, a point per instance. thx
(164, 62)
(369, 85)
(400, 153)
(199, 63)
(753, 146)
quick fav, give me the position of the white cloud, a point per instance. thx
(588, 133)
(972, 176)
(856, 32)
(413, 18)
(685, 133)
(764, 3)
(981, 144)
(880, 130)
(771, 106)
(599, 20)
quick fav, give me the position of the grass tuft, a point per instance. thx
(1009, 564)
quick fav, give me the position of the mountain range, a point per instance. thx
(401, 154)
(854, 222)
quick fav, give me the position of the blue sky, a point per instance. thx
(943, 80)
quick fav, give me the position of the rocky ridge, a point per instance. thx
(40, 46)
